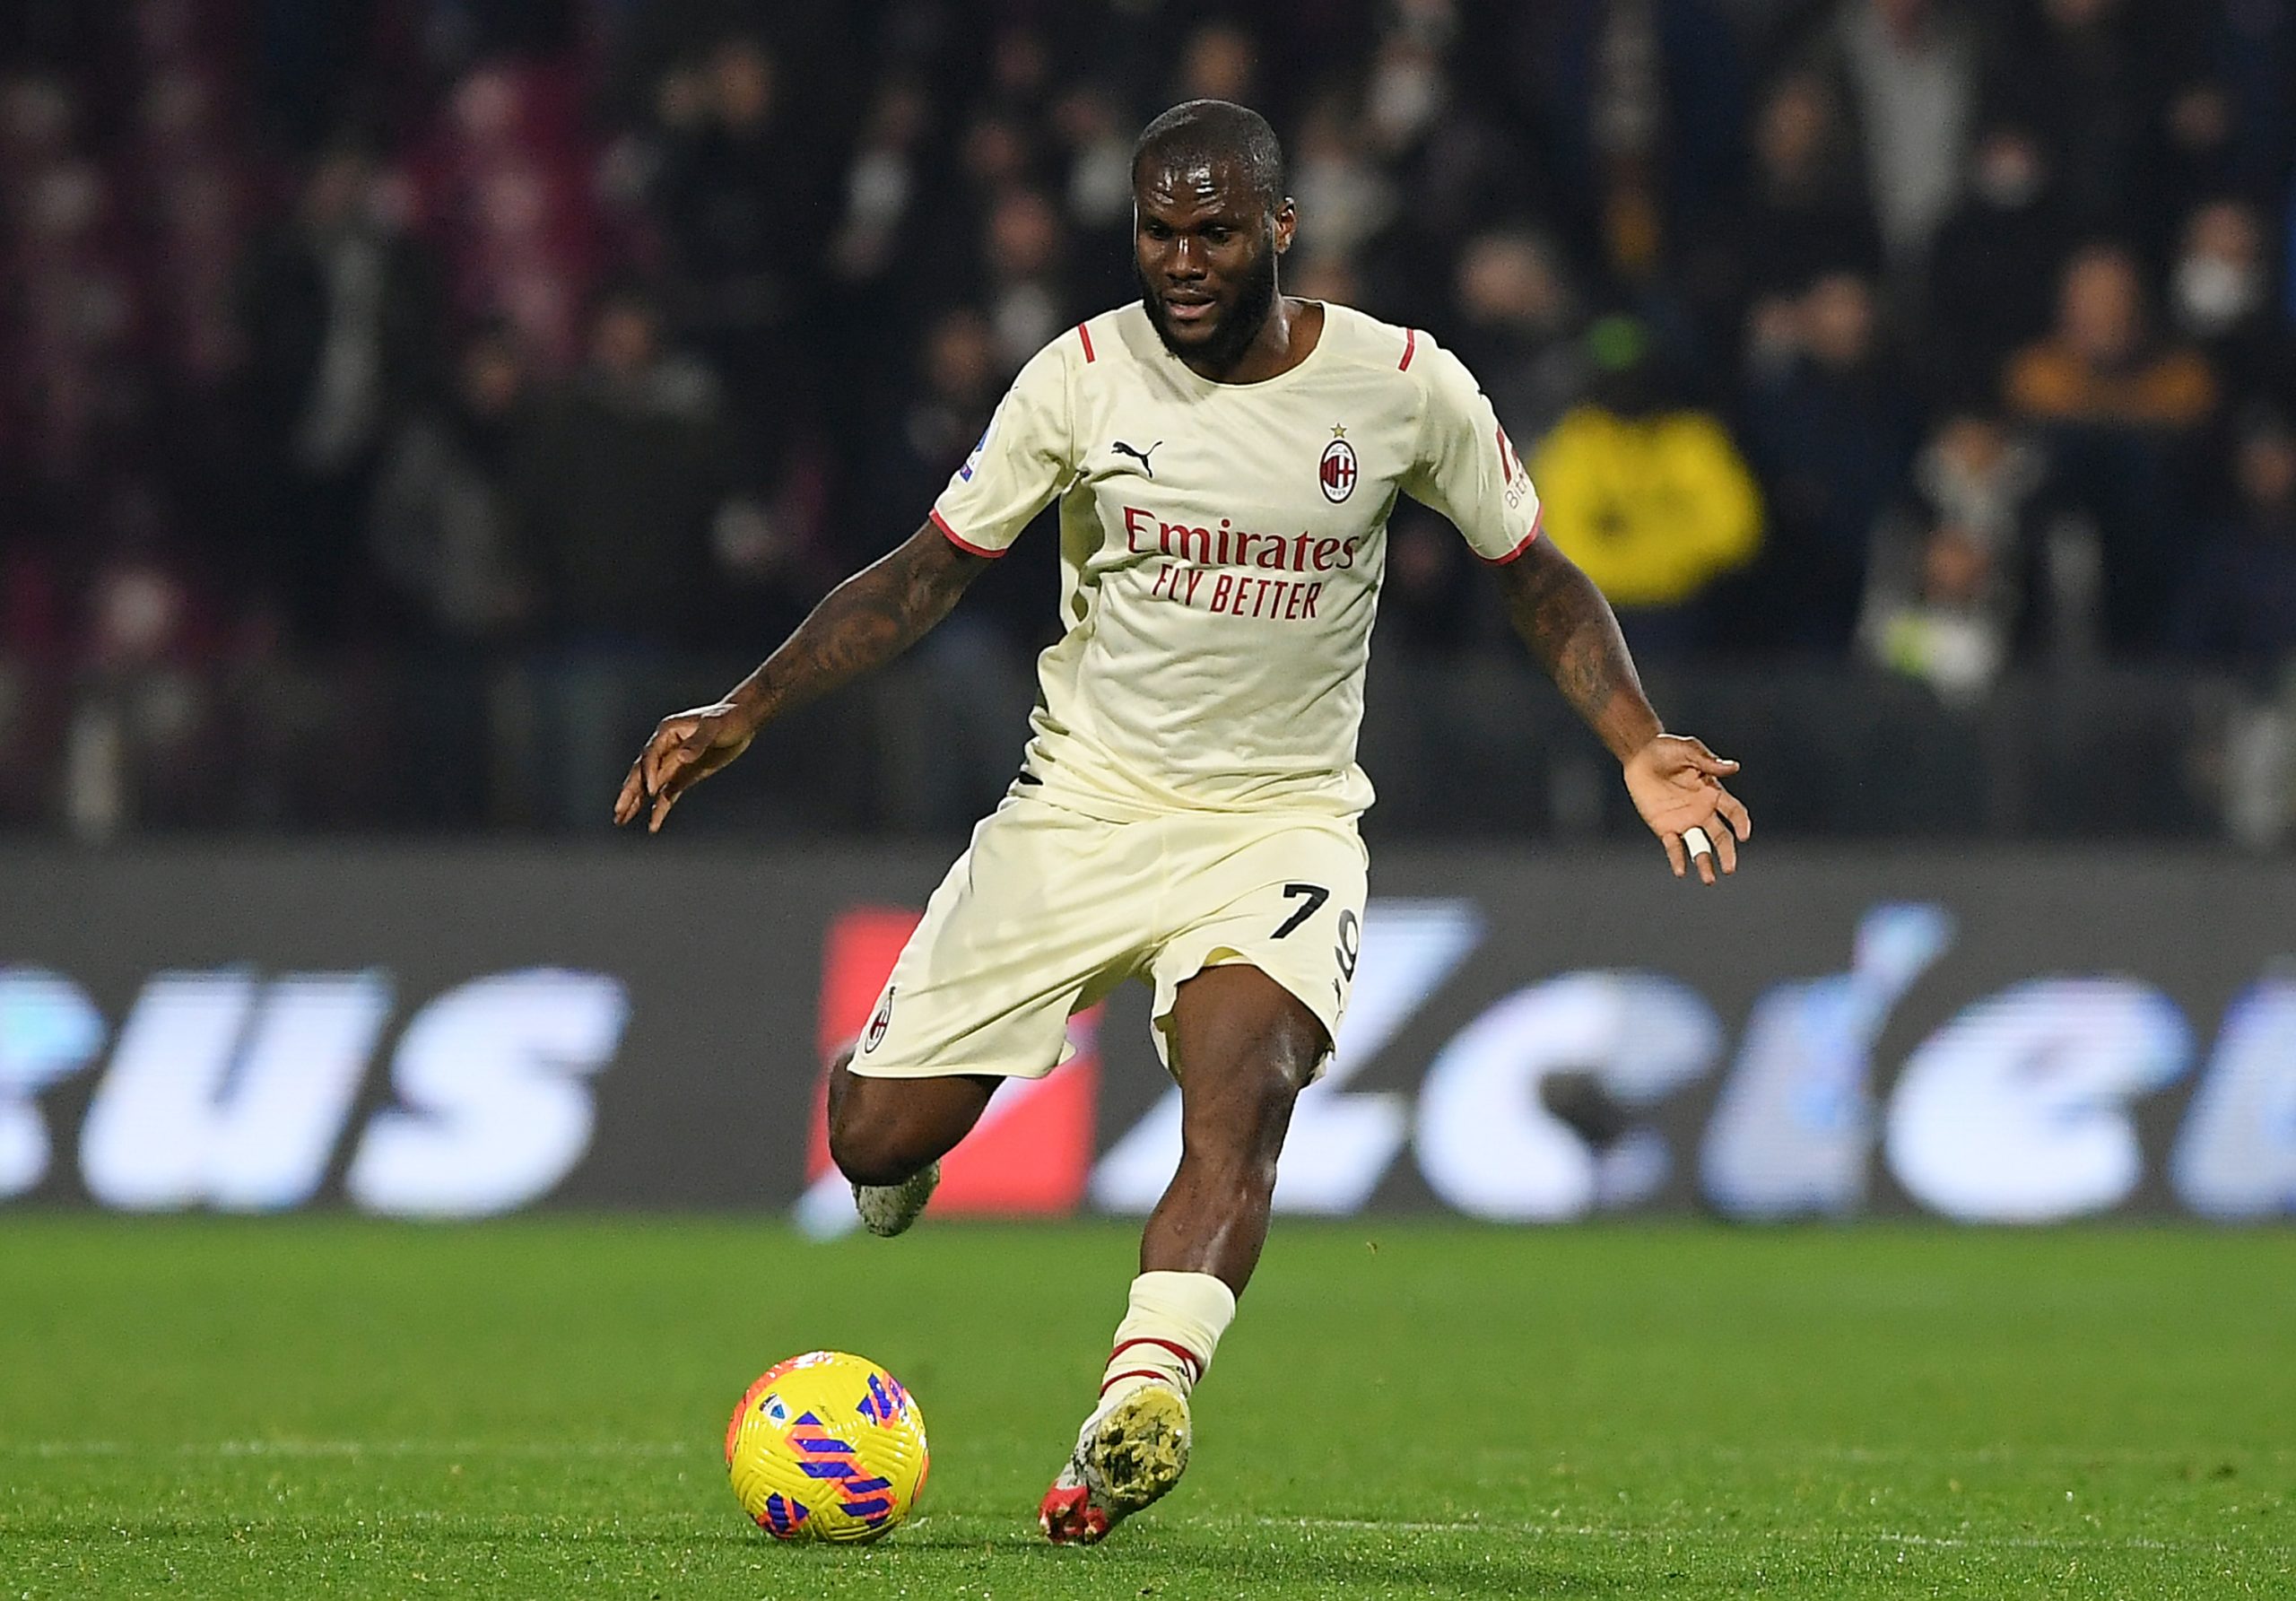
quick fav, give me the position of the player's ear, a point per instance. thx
(1287, 220)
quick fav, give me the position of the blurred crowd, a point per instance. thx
(585, 335)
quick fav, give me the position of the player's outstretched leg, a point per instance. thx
(888, 1137)
(1244, 1048)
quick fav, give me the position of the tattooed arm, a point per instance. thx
(861, 624)
(1569, 627)
(1676, 782)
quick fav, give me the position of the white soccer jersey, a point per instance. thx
(1221, 548)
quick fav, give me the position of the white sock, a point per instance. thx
(1169, 1334)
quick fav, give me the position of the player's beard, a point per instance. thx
(1238, 325)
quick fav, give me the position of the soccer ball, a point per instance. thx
(826, 1447)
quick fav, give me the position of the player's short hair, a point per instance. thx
(1196, 132)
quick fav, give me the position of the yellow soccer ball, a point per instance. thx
(826, 1447)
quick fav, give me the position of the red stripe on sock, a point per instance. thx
(1115, 1378)
(1195, 1362)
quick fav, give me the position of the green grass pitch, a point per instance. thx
(315, 1406)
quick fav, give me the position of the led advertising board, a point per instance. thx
(1533, 1037)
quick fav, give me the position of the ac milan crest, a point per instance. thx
(879, 1023)
(1337, 471)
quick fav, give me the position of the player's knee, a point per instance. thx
(866, 1149)
(866, 1138)
(1285, 1067)
(1274, 1095)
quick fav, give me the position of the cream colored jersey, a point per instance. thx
(1221, 548)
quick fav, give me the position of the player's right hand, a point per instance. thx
(686, 748)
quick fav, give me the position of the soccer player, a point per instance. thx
(1225, 459)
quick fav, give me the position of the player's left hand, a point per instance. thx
(1676, 783)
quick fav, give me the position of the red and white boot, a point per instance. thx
(1131, 1451)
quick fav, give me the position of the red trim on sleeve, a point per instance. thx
(1086, 335)
(1529, 539)
(1410, 343)
(959, 540)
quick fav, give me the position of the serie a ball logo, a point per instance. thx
(826, 1447)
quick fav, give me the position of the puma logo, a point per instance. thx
(1121, 449)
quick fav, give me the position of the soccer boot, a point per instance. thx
(888, 1209)
(1130, 1452)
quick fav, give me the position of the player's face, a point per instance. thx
(1206, 247)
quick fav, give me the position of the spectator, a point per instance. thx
(1097, 193)
(742, 201)
(942, 413)
(2102, 366)
(1946, 590)
(141, 745)
(441, 518)
(881, 183)
(2231, 119)
(1804, 213)
(508, 179)
(1339, 185)
(996, 155)
(1640, 107)
(2238, 608)
(73, 380)
(1520, 322)
(1944, 617)
(1994, 271)
(1832, 431)
(2118, 402)
(1020, 69)
(1649, 496)
(1913, 70)
(1407, 92)
(1219, 63)
(340, 311)
(873, 256)
(621, 483)
(1464, 168)
(441, 529)
(1021, 267)
(1981, 475)
(2089, 75)
(2220, 292)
